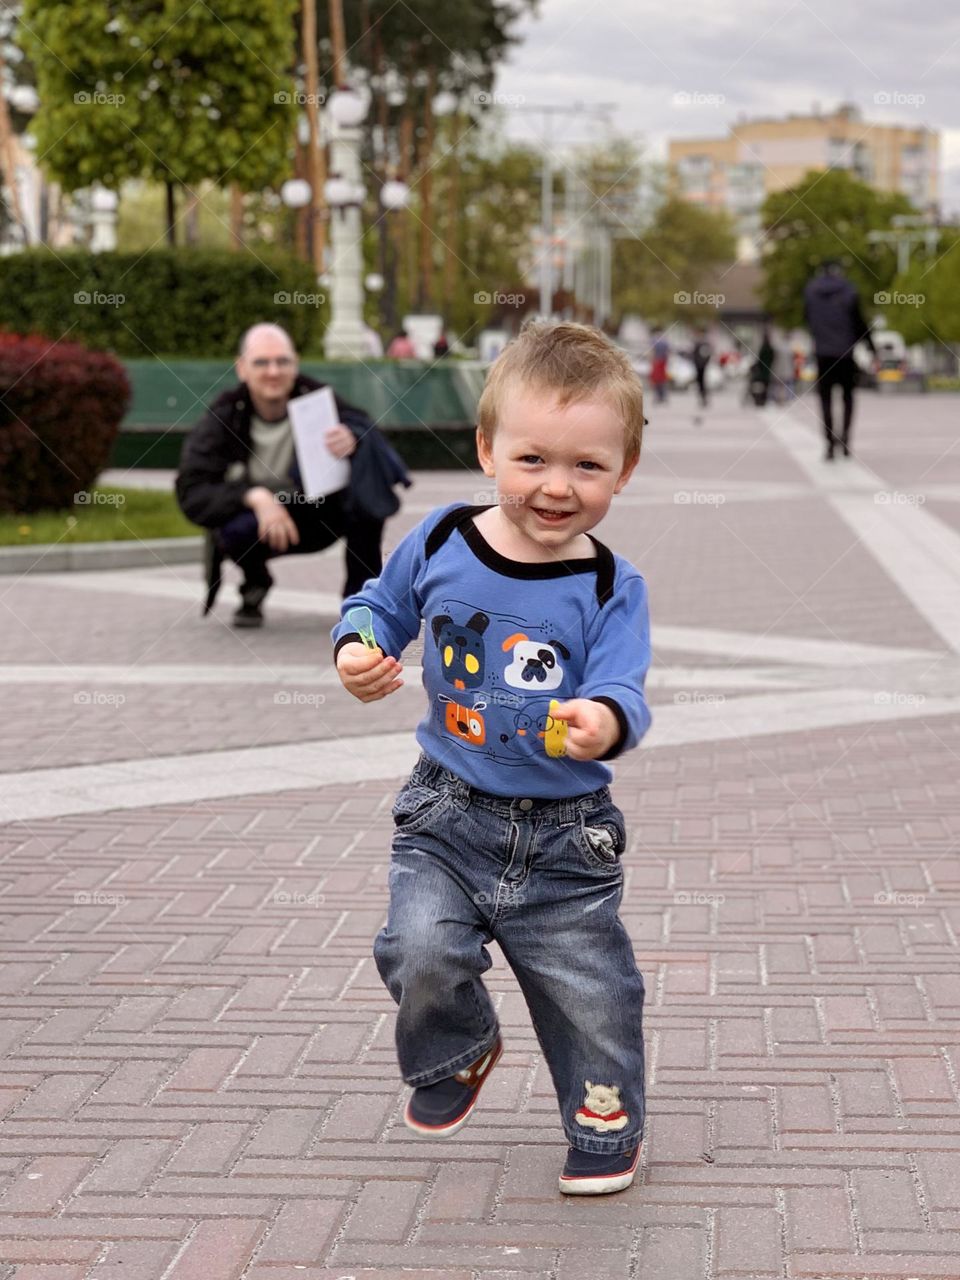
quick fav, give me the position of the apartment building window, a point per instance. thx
(840, 153)
(695, 173)
(745, 189)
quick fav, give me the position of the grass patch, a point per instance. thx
(111, 515)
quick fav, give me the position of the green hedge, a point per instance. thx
(192, 302)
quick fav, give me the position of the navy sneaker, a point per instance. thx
(439, 1110)
(588, 1174)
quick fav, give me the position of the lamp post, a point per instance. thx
(297, 194)
(344, 194)
(394, 195)
(103, 220)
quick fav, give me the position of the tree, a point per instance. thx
(406, 55)
(923, 302)
(827, 215)
(676, 249)
(167, 90)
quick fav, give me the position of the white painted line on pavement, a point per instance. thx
(917, 550)
(186, 779)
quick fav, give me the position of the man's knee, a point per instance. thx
(238, 534)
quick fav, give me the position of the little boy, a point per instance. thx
(536, 647)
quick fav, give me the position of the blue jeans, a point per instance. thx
(542, 878)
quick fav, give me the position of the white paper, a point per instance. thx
(311, 417)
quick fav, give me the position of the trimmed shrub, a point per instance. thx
(190, 302)
(60, 411)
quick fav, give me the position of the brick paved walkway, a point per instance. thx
(198, 1078)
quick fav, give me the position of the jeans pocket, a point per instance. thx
(602, 836)
(416, 805)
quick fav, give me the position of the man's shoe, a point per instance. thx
(248, 615)
(588, 1174)
(846, 449)
(828, 456)
(439, 1110)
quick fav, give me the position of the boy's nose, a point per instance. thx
(556, 482)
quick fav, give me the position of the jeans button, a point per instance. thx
(526, 805)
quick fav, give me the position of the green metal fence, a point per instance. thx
(427, 410)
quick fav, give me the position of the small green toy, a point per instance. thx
(362, 619)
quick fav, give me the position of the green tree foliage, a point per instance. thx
(487, 229)
(402, 44)
(164, 89)
(679, 245)
(827, 215)
(923, 302)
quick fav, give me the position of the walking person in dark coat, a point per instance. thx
(239, 478)
(701, 356)
(831, 309)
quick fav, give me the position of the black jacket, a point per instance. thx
(222, 437)
(831, 309)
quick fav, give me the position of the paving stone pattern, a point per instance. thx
(197, 1069)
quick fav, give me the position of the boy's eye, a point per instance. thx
(530, 457)
(591, 466)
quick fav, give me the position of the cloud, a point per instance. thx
(745, 58)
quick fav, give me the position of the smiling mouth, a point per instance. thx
(553, 517)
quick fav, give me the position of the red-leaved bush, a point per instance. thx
(60, 409)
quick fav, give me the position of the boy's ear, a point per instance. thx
(484, 454)
(625, 474)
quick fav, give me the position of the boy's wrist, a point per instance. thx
(351, 637)
(620, 731)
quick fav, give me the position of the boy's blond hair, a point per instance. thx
(575, 362)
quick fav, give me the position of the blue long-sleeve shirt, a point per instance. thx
(503, 638)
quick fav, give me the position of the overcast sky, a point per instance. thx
(759, 57)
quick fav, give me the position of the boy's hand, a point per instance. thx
(366, 673)
(592, 728)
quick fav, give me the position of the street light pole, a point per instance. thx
(346, 333)
(546, 227)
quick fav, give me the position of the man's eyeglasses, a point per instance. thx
(282, 362)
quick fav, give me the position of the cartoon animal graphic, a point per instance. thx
(465, 722)
(535, 726)
(527, 732)
(461, 649)
(601, 1109)
(535, 662)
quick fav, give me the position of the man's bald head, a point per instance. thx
(267, 363)
(257, 333)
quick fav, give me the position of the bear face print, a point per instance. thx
(535, 664)
(461, 649)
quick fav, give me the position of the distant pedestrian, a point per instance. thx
(761, 372)
(441, 347)
(658, 368)
(701, 356)
(831, 309)
(781, 372)
(401, 348)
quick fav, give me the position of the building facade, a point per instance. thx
(757, 157)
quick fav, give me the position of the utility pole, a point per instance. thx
(908, 230)
(548, 113)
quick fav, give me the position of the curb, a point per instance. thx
(59, 557)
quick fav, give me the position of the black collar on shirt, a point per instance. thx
(602, 564)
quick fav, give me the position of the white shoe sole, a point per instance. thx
(448, 1130)
(600, 1186)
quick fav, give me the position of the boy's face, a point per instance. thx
(556, 469)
